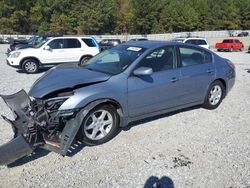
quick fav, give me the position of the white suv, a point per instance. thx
(54, 51)
(194, 40)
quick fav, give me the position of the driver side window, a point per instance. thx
(160, 59)
(56, 44)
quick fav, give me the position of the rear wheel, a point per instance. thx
(84, 60)
(215, 94)
(100, 125)
(30, 66)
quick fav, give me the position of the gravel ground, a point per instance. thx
(192, 148)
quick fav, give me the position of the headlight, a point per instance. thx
(55, 103)
(15, 54)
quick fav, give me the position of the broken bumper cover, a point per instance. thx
(29, 129)
(13, 150)
(23, 128)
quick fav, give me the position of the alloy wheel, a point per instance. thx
(30, 67)
(215, 95)
(98, 124)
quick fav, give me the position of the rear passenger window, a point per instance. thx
(72, 43)
(191, 56)
(89, 42)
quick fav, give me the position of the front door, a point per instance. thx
(160, 90)
(56, 53)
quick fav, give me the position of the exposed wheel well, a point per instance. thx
(224, 84)
(22, 61)
(85, 56)
(113, 103)
(107, 101)
(99, 102)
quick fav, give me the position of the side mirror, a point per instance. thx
(143, 71)
(47, 47)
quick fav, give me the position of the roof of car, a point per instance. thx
(199, 38)
(150, 43)
(72, 37)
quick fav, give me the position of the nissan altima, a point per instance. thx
(126, 83)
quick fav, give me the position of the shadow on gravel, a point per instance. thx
(248, 70)
(155, 182)
(41, 70)
(146, 120)
(38, 153)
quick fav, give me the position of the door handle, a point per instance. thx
(174, 79)
(210, 71)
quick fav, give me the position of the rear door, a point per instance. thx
(73, 49)
(197, 73)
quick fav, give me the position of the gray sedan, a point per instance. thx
(120, 85)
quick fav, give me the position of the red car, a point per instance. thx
(229, 45)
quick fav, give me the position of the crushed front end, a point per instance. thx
(38, 123)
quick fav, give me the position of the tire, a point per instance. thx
(100, 125)
(30, 66)
(214, 96)
(84, 60)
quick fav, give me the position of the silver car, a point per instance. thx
(126, 83)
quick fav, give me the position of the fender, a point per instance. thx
(72, 126)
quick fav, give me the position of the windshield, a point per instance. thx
(39, 44)
(115, 60)
(31, 39)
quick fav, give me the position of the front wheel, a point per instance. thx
(215, 94)
(100, 125)
(30, 66)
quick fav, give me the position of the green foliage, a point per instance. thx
(121, 16)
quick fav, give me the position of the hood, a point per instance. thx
(15, 42)
(26, 50)
(64, 77)
(23, 46)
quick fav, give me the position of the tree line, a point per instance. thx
(121, 16)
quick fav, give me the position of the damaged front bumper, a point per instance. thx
(15, 149)
(34, 126)
(25, 132)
